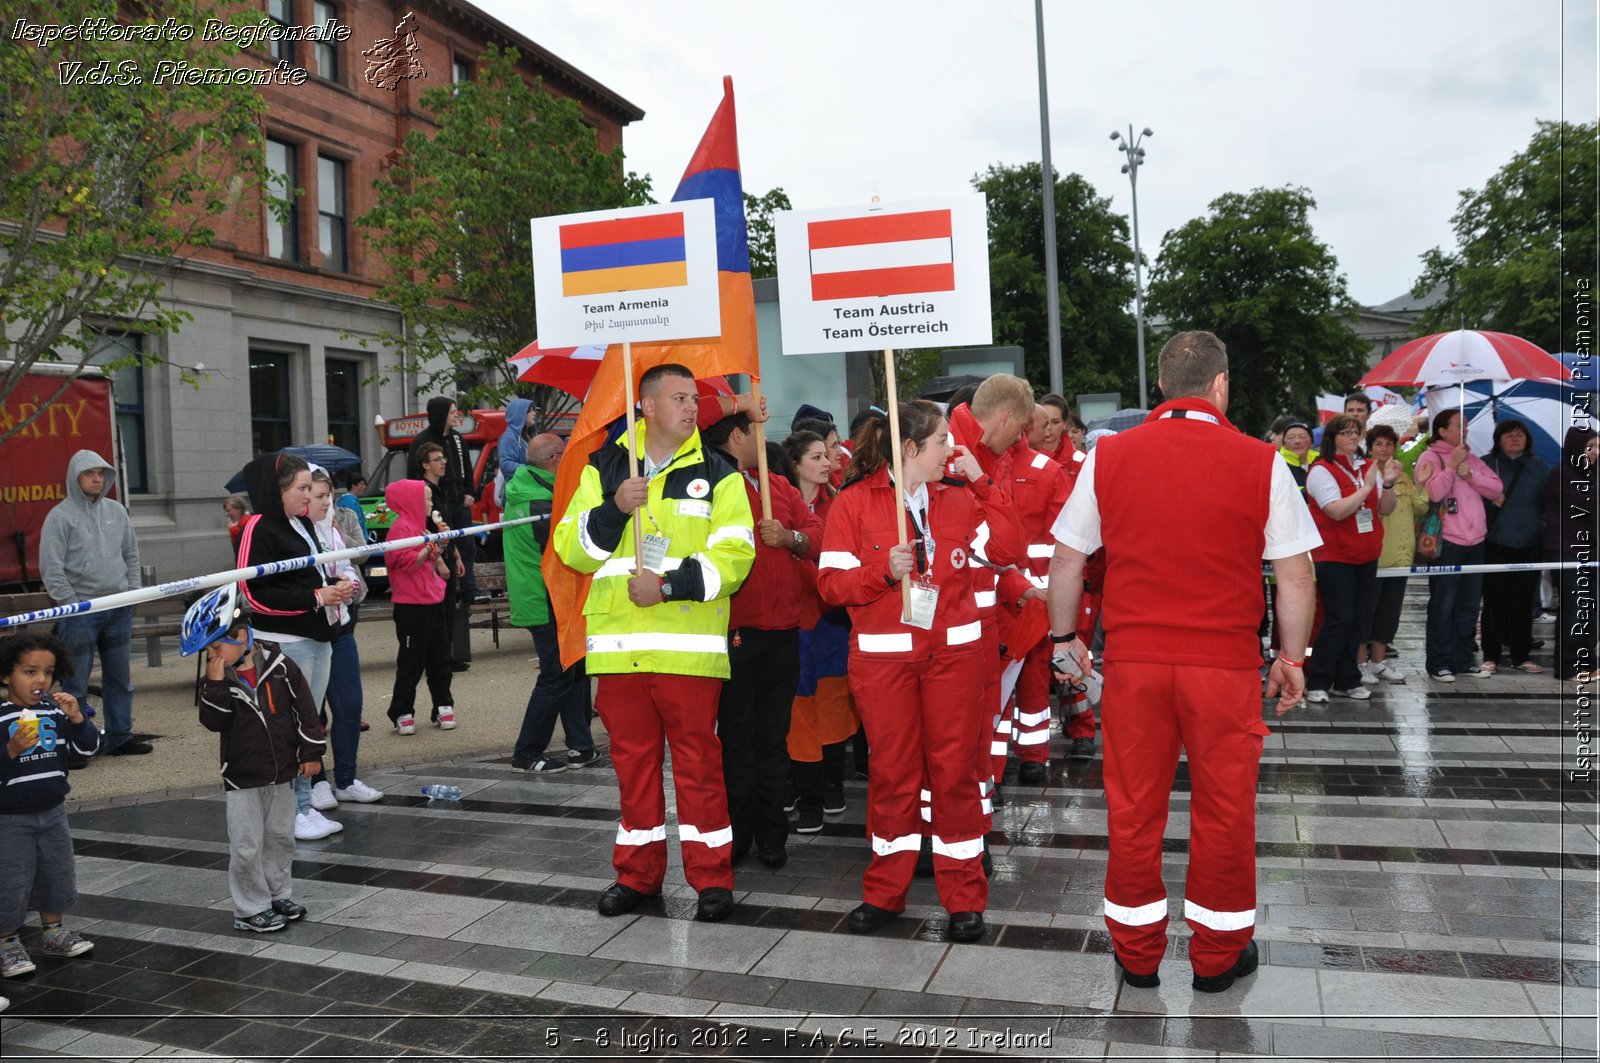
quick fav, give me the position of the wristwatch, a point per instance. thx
(666, 589)
(797, 537)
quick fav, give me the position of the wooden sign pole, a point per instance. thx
(633, 458)
(899, 475)
(761, 452)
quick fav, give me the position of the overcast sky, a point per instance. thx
(1384, 109)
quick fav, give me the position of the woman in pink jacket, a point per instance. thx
(1459, 481)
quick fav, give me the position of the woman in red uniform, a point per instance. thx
(916, 677)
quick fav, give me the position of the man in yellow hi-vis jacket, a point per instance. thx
(658, 641)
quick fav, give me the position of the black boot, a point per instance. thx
(807, 779)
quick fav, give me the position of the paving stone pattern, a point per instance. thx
(1426, 891)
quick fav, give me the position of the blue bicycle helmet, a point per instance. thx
(211, 618)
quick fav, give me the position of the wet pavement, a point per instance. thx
(1427, 890)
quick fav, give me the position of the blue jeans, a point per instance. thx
(110, 632)
(344, 703)
(315, 660)
(1453, 609)
(562, 692)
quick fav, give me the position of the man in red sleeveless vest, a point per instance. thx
(1182, 660)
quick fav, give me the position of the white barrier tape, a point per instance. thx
(1462, 570)
(124, 599)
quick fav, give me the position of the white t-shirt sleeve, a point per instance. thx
(1290, 529)
(1321, 485)
(1078, 523)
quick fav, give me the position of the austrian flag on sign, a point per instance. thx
(894, 254)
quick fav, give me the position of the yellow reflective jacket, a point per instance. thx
(697, 502)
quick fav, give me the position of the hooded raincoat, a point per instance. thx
(86, 547)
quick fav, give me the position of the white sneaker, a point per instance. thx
(447, 718)
(405, 725)
(333, 826)
(359, 792)
(1368, 676)
(1356, 693)
(322, 798)
(1388, 672)
(307, 829)
(1316, 697)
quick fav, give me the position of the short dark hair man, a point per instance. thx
(658, 639)
(1180, 624)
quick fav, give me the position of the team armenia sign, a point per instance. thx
(913, 274)
(639, 275)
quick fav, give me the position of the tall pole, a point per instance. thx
(1133, 149)
(1048, 177)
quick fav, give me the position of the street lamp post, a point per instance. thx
(1135, 153)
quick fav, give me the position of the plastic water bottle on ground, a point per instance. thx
(442, 792)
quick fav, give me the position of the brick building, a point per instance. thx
(275, 300)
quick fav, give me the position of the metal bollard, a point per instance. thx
(152, 643)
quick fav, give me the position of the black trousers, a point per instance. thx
(424, 649)
(753, 724)
(1349, 593)
(1508, 601)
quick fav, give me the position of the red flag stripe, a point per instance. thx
(866, 284)
(880, 229)
(621, 230)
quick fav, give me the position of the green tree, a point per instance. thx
(1522, 242)
(758, 220)
(1094, 274)
(1253, 272)
(451, 225)
(112, 174)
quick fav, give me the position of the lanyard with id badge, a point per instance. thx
(923, 600)
(654, 553)
(1364, 524)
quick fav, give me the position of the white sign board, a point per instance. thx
(912, 274)
(642, 275)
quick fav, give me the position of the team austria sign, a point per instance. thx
(640, 275)
(912, 274)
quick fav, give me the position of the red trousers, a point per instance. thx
(1078, 715)
(1151, 713)
(1032, 713)
(643, 714)
(921, 718)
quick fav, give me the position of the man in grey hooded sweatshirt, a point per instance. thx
(87, 550)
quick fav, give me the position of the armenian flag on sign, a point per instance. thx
(623, 255)
(887, 254)
(713, 173)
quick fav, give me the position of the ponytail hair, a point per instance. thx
(870, 443)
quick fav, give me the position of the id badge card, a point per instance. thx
(655, 551)
(924, 603)
(1363, 520)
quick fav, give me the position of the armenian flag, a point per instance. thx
(623, 255)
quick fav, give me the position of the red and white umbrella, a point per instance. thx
(569, 369)
(1463, 355)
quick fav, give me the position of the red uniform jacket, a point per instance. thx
(854, 569)
(999, 537)
(1343, 540)
(773, 596)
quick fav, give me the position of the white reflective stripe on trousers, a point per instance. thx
(1033, 719)
(1143, 915)
(641, 837)
(906, 843)
(712, 838)
(1218, 920)
(967, 850)
(1032, 738)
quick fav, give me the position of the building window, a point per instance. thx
(127, 391)
(269, 401)
(281, 12)
(327, 49)
(331, 211)
(460, 70)
(344, 404)
(283, 216)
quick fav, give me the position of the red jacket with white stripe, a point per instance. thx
(854, 569)
(774, 595)
(998, 538)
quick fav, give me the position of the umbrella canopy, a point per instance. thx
(940, 388)
(1547, 407)
(1120, 421)
(1466, 354)
(330, 457)
(569, 369)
